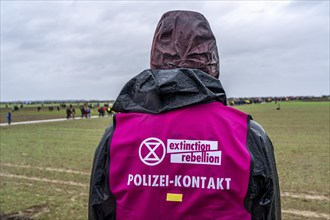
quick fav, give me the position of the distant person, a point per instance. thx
(176, 150)
(88, 112)
(68, 113)
(104, 110)
(109, 110)
(73, 111)
(9, 118)
(82, 111)
(101, 111)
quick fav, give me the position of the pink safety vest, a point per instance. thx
(189, 163)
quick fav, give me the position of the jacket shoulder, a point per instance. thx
(265, 191)
(257, 129)
(101, 203)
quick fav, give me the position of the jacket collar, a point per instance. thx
(156, 91)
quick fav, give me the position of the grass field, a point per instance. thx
(45, 167)
(30, 113)
(300, 135)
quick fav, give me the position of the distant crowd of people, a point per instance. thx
(105, 109)
(86, 112)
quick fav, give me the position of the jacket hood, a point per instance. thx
(184, 39)
(156, 91)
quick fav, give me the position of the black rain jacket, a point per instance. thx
(157, 91)
(184, 66)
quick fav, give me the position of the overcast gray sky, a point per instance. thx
(90, 49)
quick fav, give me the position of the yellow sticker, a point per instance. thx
(174, 197)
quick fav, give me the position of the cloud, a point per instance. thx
(89, 50)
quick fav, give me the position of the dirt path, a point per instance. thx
(45, 168)
(283, 194)
(32, 212)
(42, 121)
(306, 214)
(71, 183)
(304, 196)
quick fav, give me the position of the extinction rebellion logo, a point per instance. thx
(152, 151)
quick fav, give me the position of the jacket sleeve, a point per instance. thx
(264, 198)
(101, 204)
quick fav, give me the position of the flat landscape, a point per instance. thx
(45, 167)
(31, 113)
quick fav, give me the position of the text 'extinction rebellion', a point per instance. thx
(194, 152)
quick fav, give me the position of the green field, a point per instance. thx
(30, 112)
(45, 167)
(300, 135)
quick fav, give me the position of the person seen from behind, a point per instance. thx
(9, 118)
(176, 150)
(68, 113)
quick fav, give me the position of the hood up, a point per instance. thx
(184, 39)
(184, 68)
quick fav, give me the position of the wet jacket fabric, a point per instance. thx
(184, 68)
(168, 87)
(184, 39)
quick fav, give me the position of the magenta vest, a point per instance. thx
(189, 163)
